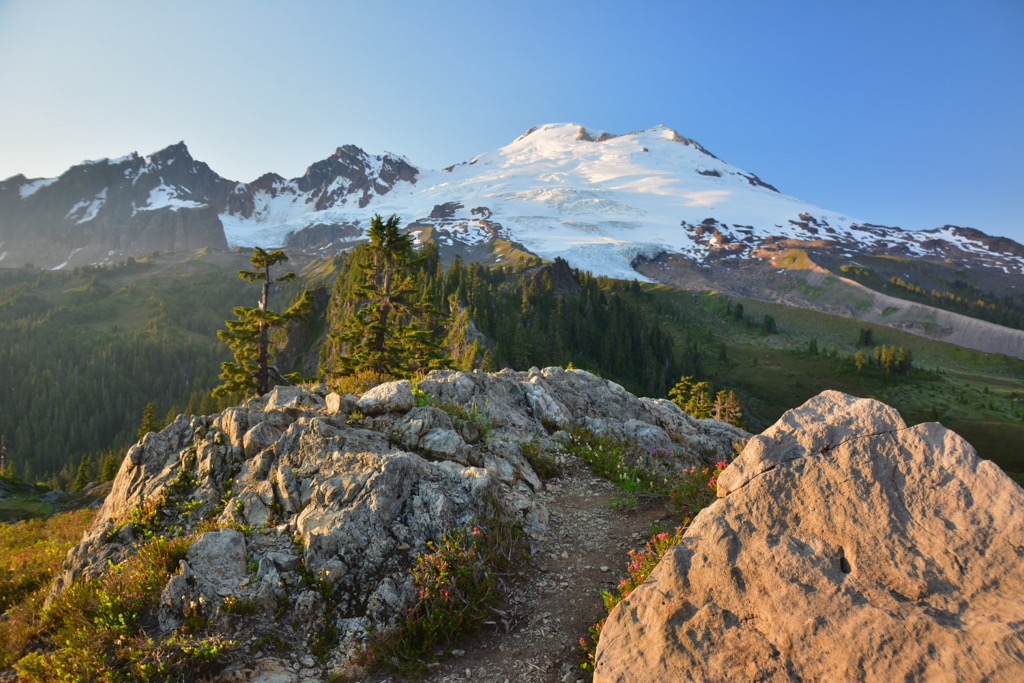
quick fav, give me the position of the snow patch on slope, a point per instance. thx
(33, 186)
(86, 210)
(68, 260)
(163, 196)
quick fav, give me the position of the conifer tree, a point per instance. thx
(387, 325)
(249, 335)
(728, 407)
(149, 422)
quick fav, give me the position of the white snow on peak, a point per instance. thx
(164, 196)
(595, 199)
(110, 162)
(33, 186)
(600, 204)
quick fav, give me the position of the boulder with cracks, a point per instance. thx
(844, 546)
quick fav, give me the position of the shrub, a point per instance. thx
(695, 490)
(620, 461)
(546, 465)
(97, 628)
(461, 583)
(359, 382)
(31, 553)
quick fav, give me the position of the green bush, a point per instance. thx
(97, 628)
(546, 465)
(461, 582)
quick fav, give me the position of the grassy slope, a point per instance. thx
(979, 395)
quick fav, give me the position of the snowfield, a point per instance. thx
(561, 190)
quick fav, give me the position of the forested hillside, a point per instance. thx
(83, 353)
(545, 314)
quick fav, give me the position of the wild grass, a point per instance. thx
(102, 628)
(31, 553)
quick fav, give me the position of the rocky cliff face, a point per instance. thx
(322, 501)
(106, 210)
(845, 546)
(100, 211)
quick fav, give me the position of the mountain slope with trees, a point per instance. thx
(84, 352)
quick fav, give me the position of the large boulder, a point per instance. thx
(845, 546)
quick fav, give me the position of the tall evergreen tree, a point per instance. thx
(387, 324)
(249, 335)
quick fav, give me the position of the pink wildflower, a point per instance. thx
(721, 464)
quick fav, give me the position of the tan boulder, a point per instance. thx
(845, 546)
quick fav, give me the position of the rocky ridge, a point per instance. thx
(313, 489)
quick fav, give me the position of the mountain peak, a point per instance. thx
(170, 152)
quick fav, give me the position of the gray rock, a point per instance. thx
(334, 514)
(259, 437)
(391, 397)
(339, 403)
(844, 546)
(292, 398)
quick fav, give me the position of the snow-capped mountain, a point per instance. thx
(603, 202)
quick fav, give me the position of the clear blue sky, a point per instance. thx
(901, 112)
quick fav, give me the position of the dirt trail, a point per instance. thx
(584, 551)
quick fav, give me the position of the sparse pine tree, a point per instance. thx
(249, 335)
(860, 361)
(110, 465)
(149, 421)
(681, 392)
(700, 402)
(86, 473)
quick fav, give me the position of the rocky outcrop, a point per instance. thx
(845, 546)
(320, 502)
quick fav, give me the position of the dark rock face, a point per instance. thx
(103, 211)
(323, 236)
(443, 211)
(112, 209)
(352, 173)
(844, 546)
